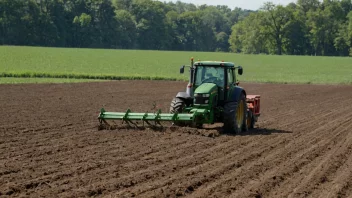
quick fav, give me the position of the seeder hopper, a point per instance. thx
(212, 95)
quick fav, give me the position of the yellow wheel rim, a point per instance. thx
(240, 116)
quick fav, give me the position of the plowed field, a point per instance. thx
(50, 145)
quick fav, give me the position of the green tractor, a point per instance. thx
(213, 95)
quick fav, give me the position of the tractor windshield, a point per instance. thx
(208, 74)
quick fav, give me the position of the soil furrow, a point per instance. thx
(51, 146)
(273, 179)
(233, 161)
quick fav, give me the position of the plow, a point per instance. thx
(151, 119)
(212, 95)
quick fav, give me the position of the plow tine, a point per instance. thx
(148, 123)
(135, 125)
(128, 122)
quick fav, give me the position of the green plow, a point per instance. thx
(129, 116)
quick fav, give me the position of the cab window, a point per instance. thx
(230, 78)
(209, 75)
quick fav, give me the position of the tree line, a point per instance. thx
(307, 27)
(124, 24)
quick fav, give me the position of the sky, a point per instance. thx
(244, 4)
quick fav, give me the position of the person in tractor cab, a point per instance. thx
(210, 75)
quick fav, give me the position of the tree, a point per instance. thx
(222, 43)
(295, 39)
(248, 37)
(341, 41)
(82, 35)
(324, 25)
(307, 5)
(126, 29)
(349, 31)
(172, 31)
(105, 27)
(150, 19)
(194, 33)
(275, 20)
(122, 4)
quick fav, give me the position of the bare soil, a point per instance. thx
(50, 145)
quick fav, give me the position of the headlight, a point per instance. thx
(202, 95)
(201, 98)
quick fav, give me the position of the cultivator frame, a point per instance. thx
(128, 117)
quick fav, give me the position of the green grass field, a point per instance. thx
(137, 64)
(41, 80)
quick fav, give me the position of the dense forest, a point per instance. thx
(306, 27)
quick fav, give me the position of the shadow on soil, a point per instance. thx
(206, 131)
(261, 131)
(251, 132)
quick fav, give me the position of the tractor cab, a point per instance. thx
(209, 74)
(219, 73)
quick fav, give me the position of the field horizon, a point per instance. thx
(133, 64)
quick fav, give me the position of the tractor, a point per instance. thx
(212, 95)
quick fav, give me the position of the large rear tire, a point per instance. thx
(235, 116)
(177, 106)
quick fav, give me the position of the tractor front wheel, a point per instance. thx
(177, 106)
(235, 116)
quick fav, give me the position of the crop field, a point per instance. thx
(50, 145)
(137, 64)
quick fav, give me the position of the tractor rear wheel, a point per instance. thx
(177, 106)
(235, 116)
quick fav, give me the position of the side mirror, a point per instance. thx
(182, 69)
(240, 70)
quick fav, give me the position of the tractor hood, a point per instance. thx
(206, 88)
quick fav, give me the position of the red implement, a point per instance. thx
(253, 103)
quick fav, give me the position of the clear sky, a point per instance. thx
(244, 4)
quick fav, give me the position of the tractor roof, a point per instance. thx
(214, 63)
